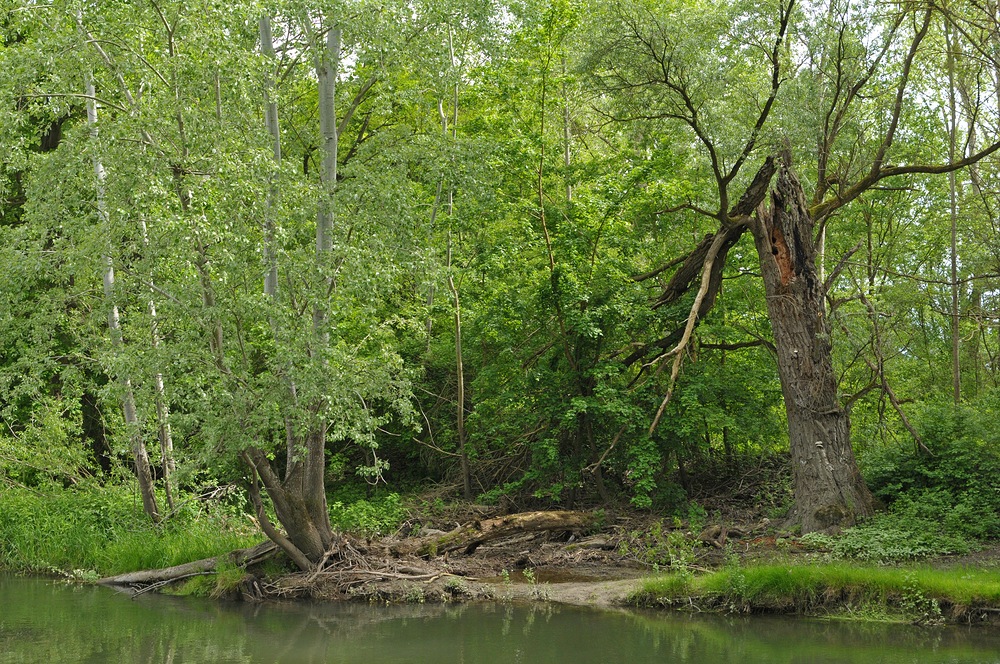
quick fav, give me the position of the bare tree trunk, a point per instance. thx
(829, 490)
(470, 536)
(463, 453)
(313, 471)
(956, 365)
(271, 119)
(567, 134)
(164, 434)
(460, 379)
(140, 455)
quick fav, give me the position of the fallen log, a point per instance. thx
(470, 536)
(163, 576)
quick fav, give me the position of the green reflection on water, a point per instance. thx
(44, 621)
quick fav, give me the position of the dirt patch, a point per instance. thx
(537, 567)
(597, 563)
(984, 558)
(593, 560)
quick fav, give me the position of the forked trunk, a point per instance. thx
(829, 490)
(299, 499)
(299, 504)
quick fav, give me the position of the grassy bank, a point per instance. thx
(838, 590)
(90, 531)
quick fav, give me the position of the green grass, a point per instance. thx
(97, 530)
(917, 594)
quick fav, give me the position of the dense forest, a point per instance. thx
(560, 253)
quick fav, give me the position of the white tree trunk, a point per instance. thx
(140, 455)
(271, 119)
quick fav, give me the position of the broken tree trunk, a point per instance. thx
(472, 535)
(829, 490)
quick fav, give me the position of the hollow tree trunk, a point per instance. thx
(829, 490)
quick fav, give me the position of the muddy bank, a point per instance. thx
(587, 559)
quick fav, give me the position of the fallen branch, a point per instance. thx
(163, 576)
(470, 536)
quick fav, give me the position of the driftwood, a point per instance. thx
(160, 577)
(469, 536)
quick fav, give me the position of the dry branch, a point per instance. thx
(240, 558)
(470, 536)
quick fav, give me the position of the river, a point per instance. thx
(49, 621)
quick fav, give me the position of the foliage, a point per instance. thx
(947, 489)
(881, 539)
(371, 517)
(102, 529)
(941, 499)
(666, 546)
(528, 169)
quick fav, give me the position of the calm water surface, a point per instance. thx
(51, 622)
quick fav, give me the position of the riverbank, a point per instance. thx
(911, 594)
(734, 562)
(751, 574)
(921, 594)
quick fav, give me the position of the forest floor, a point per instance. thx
(566, 566)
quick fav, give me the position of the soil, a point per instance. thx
(599, 567)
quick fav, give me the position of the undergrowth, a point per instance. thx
(941, 498)
(92, 530)
(353, 512)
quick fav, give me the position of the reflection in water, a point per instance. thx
(44, 621)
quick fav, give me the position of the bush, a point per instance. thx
(951, 486)
(368, 516)
(881, 540)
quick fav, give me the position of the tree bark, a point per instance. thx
(956, 357)
(271, 120)
(829, 490)
(302, 512)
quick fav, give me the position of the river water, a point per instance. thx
(51, 622)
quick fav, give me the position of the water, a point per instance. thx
(48, 621)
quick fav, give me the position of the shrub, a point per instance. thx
(368, 516)
(950, 487)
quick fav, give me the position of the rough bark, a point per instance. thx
(829, 490)
(302, 512)
(471, 535)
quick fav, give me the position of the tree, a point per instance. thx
(652, 61)
(188, 159)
